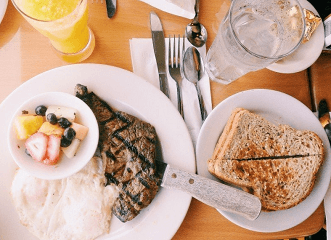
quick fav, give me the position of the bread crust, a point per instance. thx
(223, 138)
(281, 176)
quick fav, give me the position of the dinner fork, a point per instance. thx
(175, 69)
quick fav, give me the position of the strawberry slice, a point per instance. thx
(36, 145)
(53, 150)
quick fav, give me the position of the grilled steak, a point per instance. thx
(128, 146)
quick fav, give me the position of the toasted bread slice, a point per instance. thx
(278, 164)
(250, 136)
(279, 183)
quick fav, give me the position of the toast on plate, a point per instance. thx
(277, 163)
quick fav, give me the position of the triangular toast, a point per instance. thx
(250, 136)
(276, 163)
(279, 183)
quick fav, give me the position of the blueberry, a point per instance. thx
(69, 133)
(64, 123)
(65, 142)
(51, 118)
(27, 152)
(41, 110)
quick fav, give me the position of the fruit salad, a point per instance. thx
(50, 131)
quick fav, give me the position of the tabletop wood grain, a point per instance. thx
(25, 53)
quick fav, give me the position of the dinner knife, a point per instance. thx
(159, 51)
(111, 8)
(324, 117)
(210, 192)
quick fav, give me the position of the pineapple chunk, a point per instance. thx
(50, 129)
(25, 125)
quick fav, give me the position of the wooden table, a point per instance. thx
(24, 53)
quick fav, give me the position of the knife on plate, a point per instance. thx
(159, 51)
(324, 117)
(210, 192)
(111, 8)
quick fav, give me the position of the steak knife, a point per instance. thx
(324, 117)
(111, 8)
(210, 192)
(159, 51)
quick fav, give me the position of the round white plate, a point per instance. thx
(277, 107)
(306, 54)
(3, 8)
(127, 92)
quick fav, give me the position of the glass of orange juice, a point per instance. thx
(64, 23)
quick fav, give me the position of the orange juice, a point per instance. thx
(64, 22)
(48, 10)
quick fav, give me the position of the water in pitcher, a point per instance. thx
(261, 35)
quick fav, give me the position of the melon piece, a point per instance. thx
(65, 112)
(81, 130)
(71, 150)
(26, 125)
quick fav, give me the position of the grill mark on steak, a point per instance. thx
(110, 179)
(128, 146)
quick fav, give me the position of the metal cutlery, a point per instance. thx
(175, 69)
(159, 50)
(324, 117)
(110, 4)
(193, 70)
(196, 33)
(111, 8)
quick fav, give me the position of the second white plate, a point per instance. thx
(277, 107)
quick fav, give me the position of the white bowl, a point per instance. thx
(65, 167)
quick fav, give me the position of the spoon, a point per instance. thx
(196, 33)
(193, 71)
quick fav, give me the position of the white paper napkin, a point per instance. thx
(144, 65)
(182, 8)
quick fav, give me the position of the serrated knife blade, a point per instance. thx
(210, 192)
(159, 51)
(324, 117)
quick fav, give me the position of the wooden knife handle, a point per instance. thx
(213, 193)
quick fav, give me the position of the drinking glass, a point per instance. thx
(253, 35)
(64, 23)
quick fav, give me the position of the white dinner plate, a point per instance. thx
(3, 8)
(306, 54)
(127, 92)
(277, 107)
